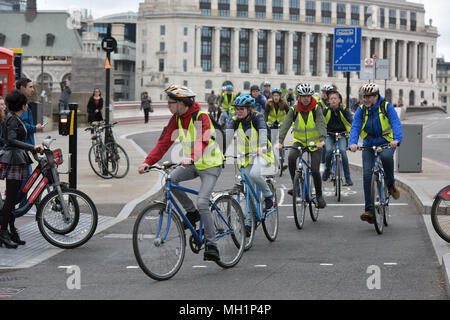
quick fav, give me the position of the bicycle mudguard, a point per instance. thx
(444, 194)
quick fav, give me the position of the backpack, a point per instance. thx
(383, 106)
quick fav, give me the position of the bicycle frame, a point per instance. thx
(378, 169)
(307, 173)
(336, 152)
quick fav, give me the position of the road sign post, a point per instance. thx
(347, 52)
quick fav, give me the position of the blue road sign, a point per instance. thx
(347, 49)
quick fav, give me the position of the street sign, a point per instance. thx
(382, 69)
(374, 69)
(369, 62)
(109, 44)
(347, 49)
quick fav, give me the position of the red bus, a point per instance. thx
(7, 72)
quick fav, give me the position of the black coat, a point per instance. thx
(91, 107)
(15, 134)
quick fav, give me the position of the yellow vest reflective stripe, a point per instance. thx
(247, 147)
(343, 119)
(212, 156)
(276, 116)
(228, 105)
(386, 128)
(305, 133)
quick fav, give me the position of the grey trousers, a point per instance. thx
(208, 179)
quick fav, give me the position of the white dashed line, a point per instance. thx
(390, 263)
(199, 266)
(132, 267)
(261, 266)
(327, 264)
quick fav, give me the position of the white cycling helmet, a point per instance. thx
(178, 92)
(305, 89)
(266, 83)
(370, 89)
(328, 87)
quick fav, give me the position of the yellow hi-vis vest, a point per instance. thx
(343, 119)
(386, 128)
(276, 116)
(305, 133)
(246, 146)
(228, 105)
(212, 156)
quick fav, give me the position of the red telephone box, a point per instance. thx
(7, 73)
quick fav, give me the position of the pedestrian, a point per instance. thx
(64, 98)
(146, 105)
(290, 97)
(202, 158)
(260, 99)
(14, 160)
(95, 106)
(212, 105)
(377, 123)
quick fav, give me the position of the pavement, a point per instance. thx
(117, 199)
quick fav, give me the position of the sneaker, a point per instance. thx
(326, 175)
(321, 202)
(193, 217)
(248, 231)
(348, 182)
(394, 191)
(269, 203)
(368, 216)
(211, 253)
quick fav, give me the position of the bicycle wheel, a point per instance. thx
(249, 218)
(97, 160)
(270, 219)
(230, 231)
(119, 158)
(313, 206)
(338, 178)
(299, 201)
(440, 218)
(80, 207)
(386, 206)
(377, 205)
(158, 251)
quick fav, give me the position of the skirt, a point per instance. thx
(13, 171)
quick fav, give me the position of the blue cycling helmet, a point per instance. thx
(245, 100)
(277, 90)
(229, 87)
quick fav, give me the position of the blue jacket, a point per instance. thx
(260, 126)
(27, 118)
(260, 103)
(373, 126)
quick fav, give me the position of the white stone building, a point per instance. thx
(205, 43)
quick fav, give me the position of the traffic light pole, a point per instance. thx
(108, 132)
(73, 107)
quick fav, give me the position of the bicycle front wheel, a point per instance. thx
(440, 218)
(230, 230)
(338, 179)
(69, 231)
(299, 201)
(249, 218)
(119, 160)
(270, 218)
(98, 161)
(159, 244)
(377, 203)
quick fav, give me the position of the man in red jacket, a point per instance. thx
(202, 158)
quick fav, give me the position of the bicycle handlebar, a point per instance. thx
(300, 148)
(166, 166)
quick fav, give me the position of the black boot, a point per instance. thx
(6, 240)
(14, 236)
(193, 217)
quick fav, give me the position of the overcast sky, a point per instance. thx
(437, 10)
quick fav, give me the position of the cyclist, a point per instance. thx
(309, 126)
(227, 100)
(260, 99)
(266, 92)
(377, 122)
(202, 158)
(253, 137)
(290, 97)
(339, 119)
(323, 101)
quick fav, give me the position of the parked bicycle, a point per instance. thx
(159, 240)
(107, 160)
(67, 218)
(380, 196)
(302, 190)
(251, 202)
(337, 171)
(440, 213)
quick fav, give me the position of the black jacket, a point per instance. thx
(335, 125)
(15, 135)
(91, 107)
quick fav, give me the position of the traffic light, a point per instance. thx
(64, 122)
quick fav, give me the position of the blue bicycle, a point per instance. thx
(250, 199)
(302, 190)
(337, 170)
(379, 191)
(159, 240)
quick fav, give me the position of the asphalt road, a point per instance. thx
(338, 257)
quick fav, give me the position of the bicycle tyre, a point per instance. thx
(270, 223)
(248, 221)
(338, 179)
(298, 201)
(86, 222)
(313, 206)
(378, 207)
(153, 265)
(96, 160)
(386, 207)
(438, 224)
(230, 243)
(116, 160)
(71, 224)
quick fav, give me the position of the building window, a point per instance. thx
(161, 65)
(225, 50)
(367, 15)
(142, 65)
(277, 9)
(329, 55)
(310, 11)
(392, 19)
(205, 7)
(185, 47)
(355, 15)
(246, 85)
(162, 46)
(144, 47)
(50, 40)
(242, 8)
(413, 21)
(341, 13)
(326, 12)
(403, 20)
(185, 31)
(381, 18)
(294, 10)
(313, 54)
(206, 44)
(297, 58)
(2, 39)
(205, 12)
(262, 51)
(185, 83)
(208, 84)
(260, 9)
(244, 51)
(25, 40)
(162, 30)
(184, 65)
(224, 8)
(46, 80)
(279, 52)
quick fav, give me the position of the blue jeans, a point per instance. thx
(368, 158)
(342, 145)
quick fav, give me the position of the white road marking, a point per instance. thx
(390, 263)
(327, 264)
(338, 217)
(132, 267)
(199, 266)
(261, 266)
(64, 267)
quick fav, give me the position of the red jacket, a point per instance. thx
(170, 134)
